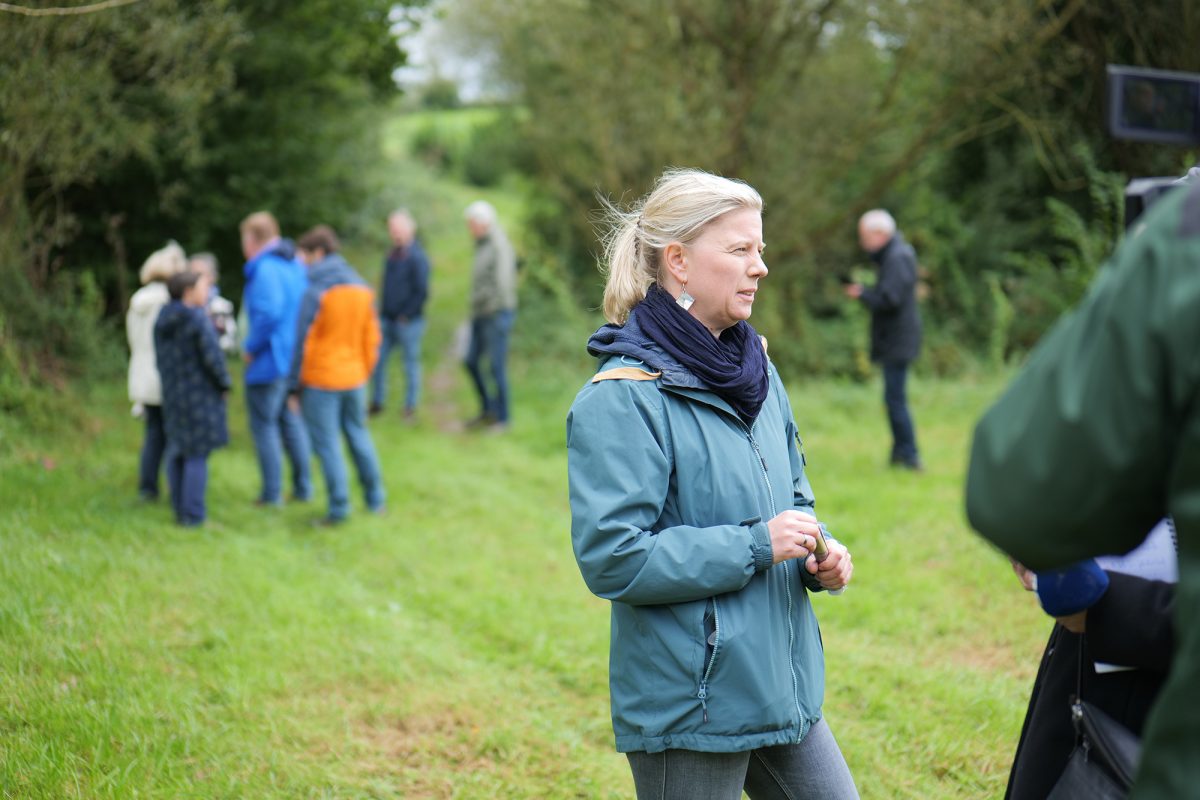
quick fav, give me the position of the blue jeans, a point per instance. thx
(327, 414)
(153, 448)
(187, 478)
(904, 437)
(489, 335)
(814, 769)
(407, 335)
(274, 429)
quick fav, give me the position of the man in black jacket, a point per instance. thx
(402, 310)
(895, 324)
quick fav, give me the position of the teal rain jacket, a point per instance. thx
(713, 647)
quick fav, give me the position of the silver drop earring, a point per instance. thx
(685, 300)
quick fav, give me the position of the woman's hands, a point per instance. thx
(834, 572)
(793, 535)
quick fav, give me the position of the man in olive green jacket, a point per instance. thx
(493, 311)
(1099, 437)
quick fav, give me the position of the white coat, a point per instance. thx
(145, 387)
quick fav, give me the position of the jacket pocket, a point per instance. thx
(711, 630)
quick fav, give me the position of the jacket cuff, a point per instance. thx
(764, 554)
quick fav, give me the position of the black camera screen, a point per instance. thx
(1167, 106)
(1154, 106)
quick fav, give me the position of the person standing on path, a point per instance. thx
(402, 307)
(145, 384)
(493, 311)
(337, 347)
(692, 513)
(895, 324)
(195, 384)
(275, 282)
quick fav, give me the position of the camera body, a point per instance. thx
(1156, 106)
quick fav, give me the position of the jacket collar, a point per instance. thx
(627, 345)
(879, 255)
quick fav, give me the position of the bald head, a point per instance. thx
(875, 229)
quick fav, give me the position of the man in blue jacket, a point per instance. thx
(405, 289)
(275, 282)
(895, 324)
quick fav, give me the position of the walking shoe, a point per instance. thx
(374, 410)
(482, 421)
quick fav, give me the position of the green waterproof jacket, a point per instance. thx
(1099, 437)
(713, 647)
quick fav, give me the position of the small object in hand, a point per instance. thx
(821, 552)
(820, 548)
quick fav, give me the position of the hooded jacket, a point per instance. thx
(194, 379)
(1098, 438)
(338, 333)
(275, 282)
(713, 646)
(145, 387)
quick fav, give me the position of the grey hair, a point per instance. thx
(481, 211)
(678, 209)
(878, 220)
(404, 213)
(163, 263)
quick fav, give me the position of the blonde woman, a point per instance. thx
(691, 512)
(145, 386)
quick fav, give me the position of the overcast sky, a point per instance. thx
(434, 52)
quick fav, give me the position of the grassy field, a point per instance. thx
(450, 649)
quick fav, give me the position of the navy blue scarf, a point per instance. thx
(734, 366)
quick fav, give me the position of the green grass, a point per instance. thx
(450, 649)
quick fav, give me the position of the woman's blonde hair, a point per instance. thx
(681, 204)
(163, 263)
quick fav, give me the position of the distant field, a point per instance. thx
(450, 649)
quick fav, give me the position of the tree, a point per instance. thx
(829, 108)
(166, 119)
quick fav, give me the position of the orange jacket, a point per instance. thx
(338, 330)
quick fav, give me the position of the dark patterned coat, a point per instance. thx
(194, 378)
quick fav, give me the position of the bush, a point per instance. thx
(440, 94)
(493, 150)
(47, 339)
(437, 146)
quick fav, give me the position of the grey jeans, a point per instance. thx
(814, 769)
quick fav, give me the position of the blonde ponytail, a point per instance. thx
(629, 274)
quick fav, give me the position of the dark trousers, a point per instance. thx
(895, 398)
(489, 335)
(153, 447)
(187, 477)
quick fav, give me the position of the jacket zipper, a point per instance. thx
(716, 643)
(787, 584)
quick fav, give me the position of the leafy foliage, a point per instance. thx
(962, 119)
(174, 119)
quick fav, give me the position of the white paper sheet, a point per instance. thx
(1155, 559)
